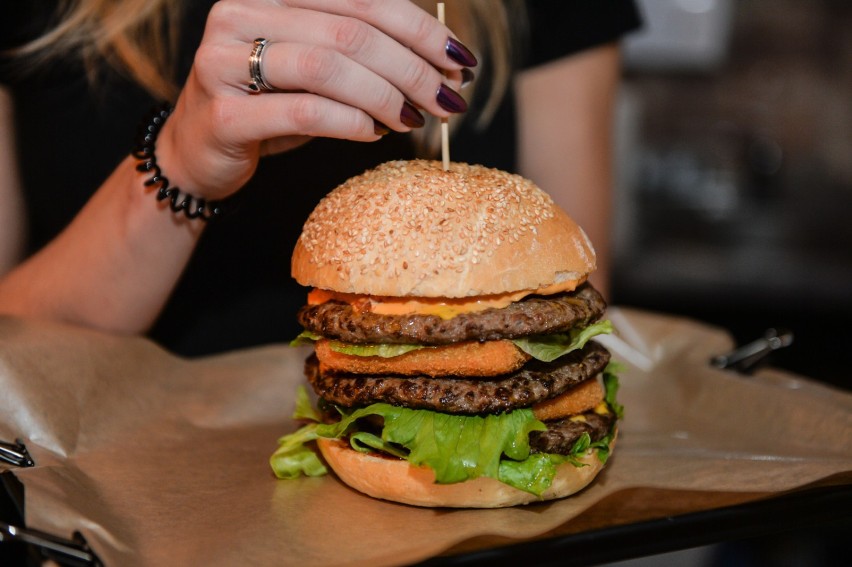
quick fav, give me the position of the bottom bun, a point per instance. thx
(397, 480)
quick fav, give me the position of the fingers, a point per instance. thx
(414, 77)
(405, 22)
(305, 68)
(213, 144)
(301, 114)
(351, 69)
(357, 63)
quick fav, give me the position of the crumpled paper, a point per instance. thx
(159, 460)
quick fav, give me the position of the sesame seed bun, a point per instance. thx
(410, 229)
(396, 480)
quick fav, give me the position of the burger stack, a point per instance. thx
(452, 325)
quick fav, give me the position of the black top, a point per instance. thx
(237, 289)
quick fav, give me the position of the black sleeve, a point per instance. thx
(557, 28)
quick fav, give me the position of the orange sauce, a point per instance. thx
(443, 307)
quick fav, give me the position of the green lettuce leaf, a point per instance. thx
(305, 338)
(459, 447)
(294, 458)
(456, 447)
(304, 409)
(610, 380)
(368, 442)
(542, 347)
(382, 350)
(534, 474)
(550, 347)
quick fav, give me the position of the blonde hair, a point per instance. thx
(128, 36)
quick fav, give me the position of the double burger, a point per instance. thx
(451, 320)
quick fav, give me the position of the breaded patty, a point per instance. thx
(582, 397)
(490, 358)
(536, 381)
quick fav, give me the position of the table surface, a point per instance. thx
(641, 522)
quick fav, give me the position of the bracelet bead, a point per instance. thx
(145, 153)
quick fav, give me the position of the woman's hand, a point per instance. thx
(351, 69)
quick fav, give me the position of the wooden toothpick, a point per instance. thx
(445, 122)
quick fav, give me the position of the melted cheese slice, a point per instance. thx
(445, 308)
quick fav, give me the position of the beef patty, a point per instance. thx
(533, 315)
(561, 434)
(534, 382)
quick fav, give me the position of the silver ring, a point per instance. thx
(258, 84)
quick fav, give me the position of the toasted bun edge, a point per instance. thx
(397, 480)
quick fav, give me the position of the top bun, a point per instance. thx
(409, 228)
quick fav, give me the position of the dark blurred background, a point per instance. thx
(735, 197)
(735, 172)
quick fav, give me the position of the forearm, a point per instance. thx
(113, 267)
(12, 219)
(565, 132)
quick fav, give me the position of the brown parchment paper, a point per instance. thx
(162, 461)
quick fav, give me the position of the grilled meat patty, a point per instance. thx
(534, 382)
(561, 434)
(533, 315)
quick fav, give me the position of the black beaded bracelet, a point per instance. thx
(192, 207)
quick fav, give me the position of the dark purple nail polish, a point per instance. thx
(450, 100)
(379, 128)
(467, 77)
(410, 116)
(460, 54)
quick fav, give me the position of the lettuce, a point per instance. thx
(459, 447)
(305, 338)
(550, 347)
(535, 474)
(382, 350)
(304, 409)
(610, 380)
(542, 347)
(456, 447)
(294, 458)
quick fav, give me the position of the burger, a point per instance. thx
(451, 320)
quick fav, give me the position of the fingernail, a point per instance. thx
(450, 100)
(410, 116)
(379, 128)
(467, 77)
(460, 54)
